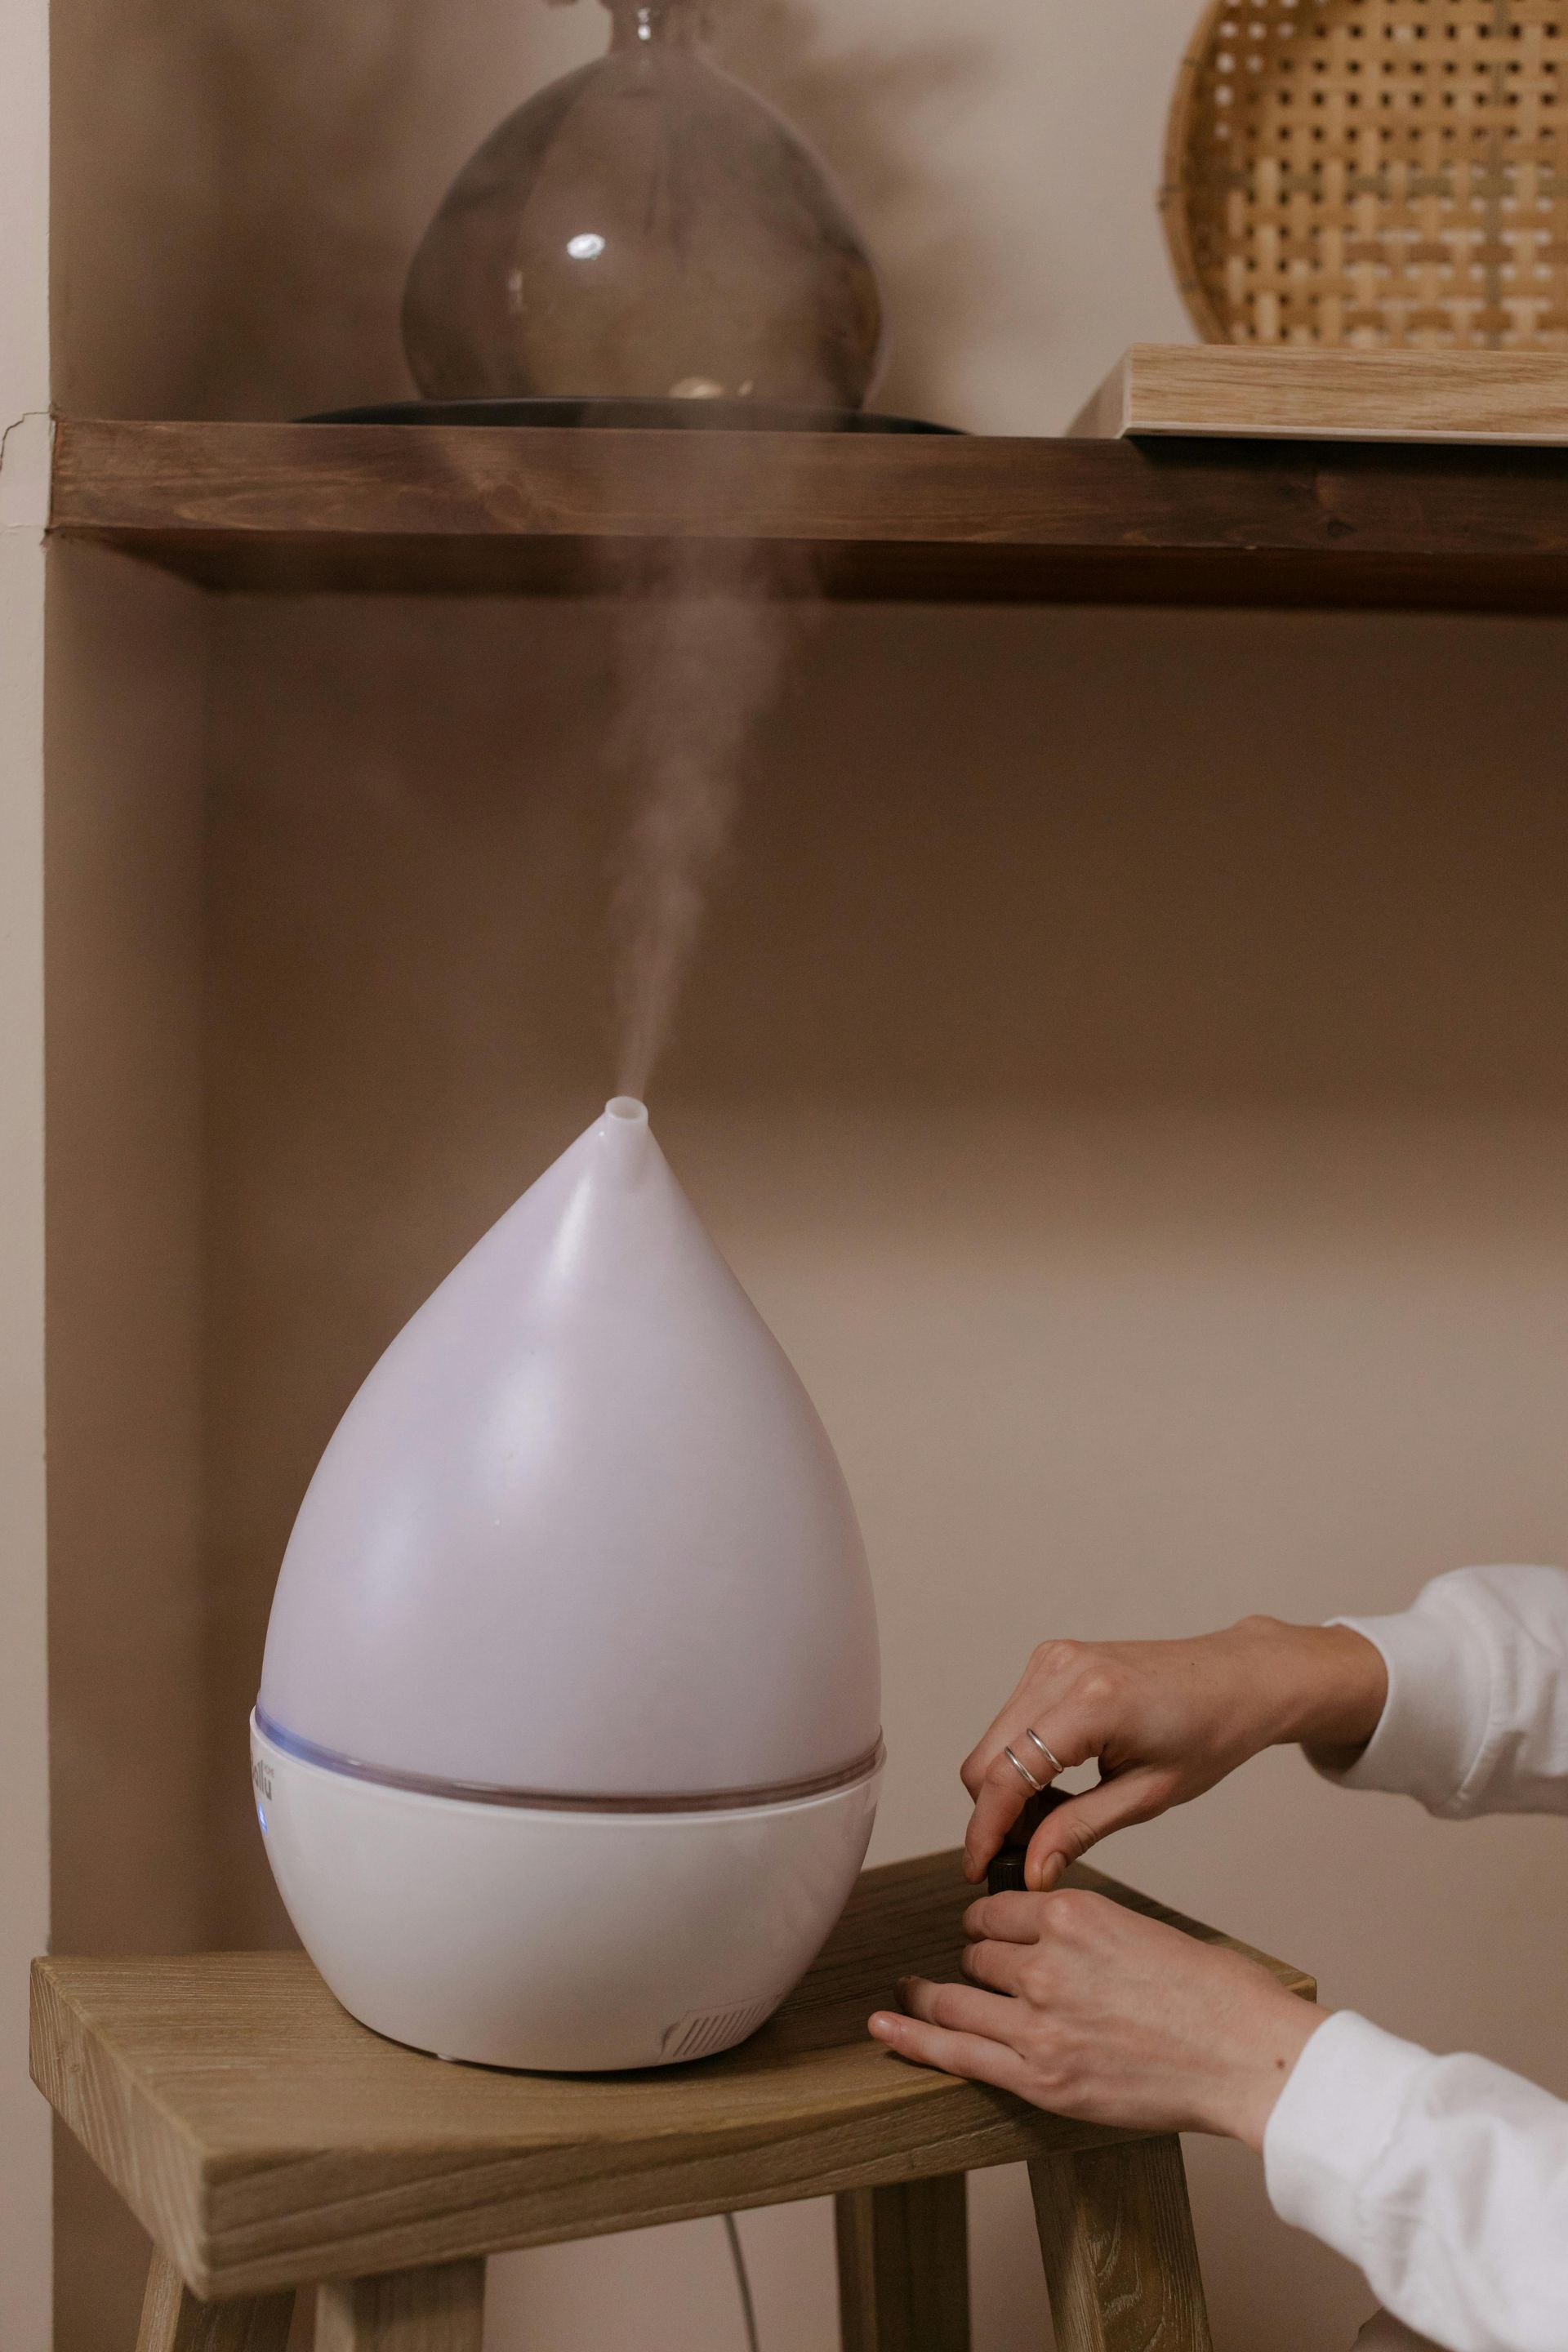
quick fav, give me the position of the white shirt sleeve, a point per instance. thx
(1477, 1716)
(1445, 2179)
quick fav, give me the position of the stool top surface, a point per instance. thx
(264, 2138)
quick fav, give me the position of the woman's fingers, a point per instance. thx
(1071, 1829)
(1011, 1918)
(1048, 1674)
(999, 1799)
(970, 2054)
(960, 2008)
(1004, 1792)
(978, 1761)
(1072, 1826)
(999, 1966)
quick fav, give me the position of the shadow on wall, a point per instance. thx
(236, 190)
(870, 109)
(319, 113)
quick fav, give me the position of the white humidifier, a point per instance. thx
(567, 1749)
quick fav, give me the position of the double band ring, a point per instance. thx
(1022, 1770)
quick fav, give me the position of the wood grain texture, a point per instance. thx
(1116, 2237)
(265, 2139)
(903, 2267)
(440, 2308)
(551, 511)
(174, 2321)
(1518, 398)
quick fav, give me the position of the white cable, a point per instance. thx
(742, 2281)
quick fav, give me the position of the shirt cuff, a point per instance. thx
(1336, 2116)
(1434, 1722)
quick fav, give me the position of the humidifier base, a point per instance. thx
(564, 1940)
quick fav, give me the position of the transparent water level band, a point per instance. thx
(479, 1792)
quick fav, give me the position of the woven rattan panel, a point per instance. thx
(1373, 171)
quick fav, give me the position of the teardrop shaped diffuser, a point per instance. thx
(645, 226)
(567, 1748)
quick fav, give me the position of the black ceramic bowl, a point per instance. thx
(664, 415)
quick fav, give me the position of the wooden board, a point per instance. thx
(903, 2267)
(265, 2139)
(174, 2321)
(1116, 2239)
(1518, 398)
(431, 509)
(440, 2309)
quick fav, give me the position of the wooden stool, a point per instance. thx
(269, 2143)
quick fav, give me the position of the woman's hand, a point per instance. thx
(1093, 2011)
(1164, 1720)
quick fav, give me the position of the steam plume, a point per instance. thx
(698, 661)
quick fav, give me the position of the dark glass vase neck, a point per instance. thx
(662, 23)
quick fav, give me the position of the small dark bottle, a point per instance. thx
(1005, 1876)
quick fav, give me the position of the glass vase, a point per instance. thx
(645, 228)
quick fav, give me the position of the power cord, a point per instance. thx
(742, 2281)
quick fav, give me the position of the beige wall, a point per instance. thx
(126, 1699)
(25, 2184)
(24, 1760)
(1127, 1060)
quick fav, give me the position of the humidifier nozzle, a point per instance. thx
(626, 1136)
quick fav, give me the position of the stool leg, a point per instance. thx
(174, 2321)
(903, 2267)
(438, 2309)
(1116, 2235)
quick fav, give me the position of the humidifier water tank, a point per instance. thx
(567, 1748)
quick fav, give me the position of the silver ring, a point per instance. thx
(1024, 1773)
(1054, 1761)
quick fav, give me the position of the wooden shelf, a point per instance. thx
(1248, 391)
(420, 508)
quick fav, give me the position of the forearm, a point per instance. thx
(1250, 2058)
(1321, 1686)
